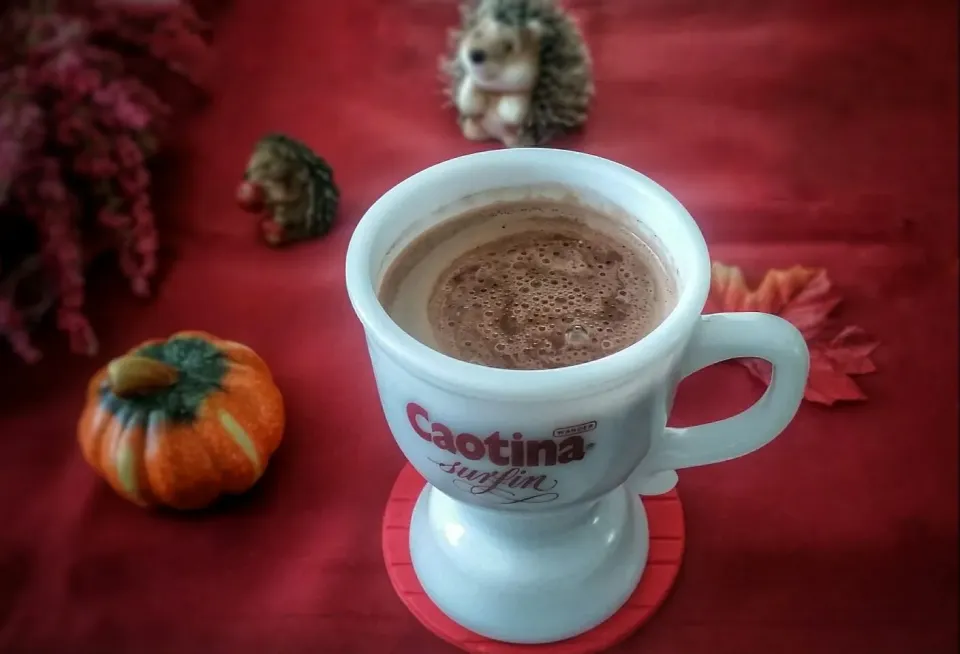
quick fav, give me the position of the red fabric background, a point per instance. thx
(820, 132)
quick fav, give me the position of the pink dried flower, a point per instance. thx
(131, 115)
(112, 219)
(77, 127)
(87, 81)
(134, 181)
(128, 152)
(148, 242)
(103, 168)
(108, 95)
(11, 326)
(64, 64)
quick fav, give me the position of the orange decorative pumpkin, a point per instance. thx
(183, 421)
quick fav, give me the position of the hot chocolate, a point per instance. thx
(528, 286)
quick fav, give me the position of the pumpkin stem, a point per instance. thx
(135, 375)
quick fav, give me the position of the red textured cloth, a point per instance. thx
(820, 132)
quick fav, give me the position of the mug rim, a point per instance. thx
(523, 385)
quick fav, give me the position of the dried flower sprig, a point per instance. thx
(79, 122)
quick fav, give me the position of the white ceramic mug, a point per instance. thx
(530, 529)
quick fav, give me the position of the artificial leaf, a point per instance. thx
(806, 298)
(826, 384)
(729, 289)
(850, 350)
(810, 307)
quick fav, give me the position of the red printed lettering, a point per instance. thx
(518, 452)
(513, 482)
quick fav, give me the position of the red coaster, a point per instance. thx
(667, 537)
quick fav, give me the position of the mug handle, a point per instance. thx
(720, 337)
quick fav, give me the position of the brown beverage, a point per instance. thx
(528, 286)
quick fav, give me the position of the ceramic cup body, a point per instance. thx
(524, 465)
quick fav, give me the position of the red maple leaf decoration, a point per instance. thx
(806, 298)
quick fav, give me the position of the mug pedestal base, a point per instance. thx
(578, 585)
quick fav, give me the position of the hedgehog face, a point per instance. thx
(268, 162)
(502, 58)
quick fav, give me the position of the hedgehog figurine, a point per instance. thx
(518, 72)
(291, 187)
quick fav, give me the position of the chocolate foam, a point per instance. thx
(552, 292)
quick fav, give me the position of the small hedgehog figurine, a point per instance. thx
(291, 187)
(519, 71)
